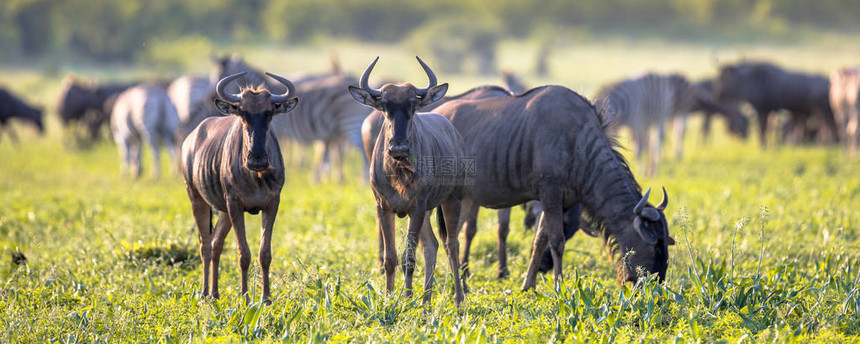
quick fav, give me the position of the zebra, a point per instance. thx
(143, 113)
(645, 102)
(185, 93)
(844, 93)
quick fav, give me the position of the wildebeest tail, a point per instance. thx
(440, 221)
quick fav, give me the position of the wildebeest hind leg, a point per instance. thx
(470, 217)
(202, 217)
(237, 219)
(430, 246)
(222, 228)
(450, 216)
(550, 230)
(504, 216)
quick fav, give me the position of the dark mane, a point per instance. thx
(480, 88)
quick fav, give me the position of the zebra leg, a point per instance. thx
(323, 151)
(851, 130)
(156, 153)
(655, 148)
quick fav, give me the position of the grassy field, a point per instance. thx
(767, 249)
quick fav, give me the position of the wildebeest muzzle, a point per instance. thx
(398, 151)
(257, 162)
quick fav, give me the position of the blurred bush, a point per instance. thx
(455, 42)
(108, 30)
(179, 54)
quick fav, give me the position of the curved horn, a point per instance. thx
(374, 92)
(219, 89)
(430, 75)
(641, 205)
(664, 202)
(291, 89)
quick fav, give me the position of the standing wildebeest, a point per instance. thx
(185, 93)
(89, 104)
(234, 165)
(706, 103)
(645, 102)
(328, 115)
(143, 114)
(844, 94)
(12, 107)
(408, 173)
(769, 88)
(549, 144)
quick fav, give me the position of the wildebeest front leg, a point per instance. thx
(237, 218)
(222, 228)
(266, 247)
(430, 246)
(416, 221)
(385, 221)
(504, 229)
(550, 229)
(451, 213)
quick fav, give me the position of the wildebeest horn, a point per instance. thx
(291, 89)
(374, 92)
(641, 205)
(664, 202)
(432, 76)
(219, 89)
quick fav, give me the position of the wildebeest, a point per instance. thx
(233, 164)
(408, 174)
(328, 115)
(88, 103)
(769, 88)
(12, 107)
(707, 104)
(143, 114)
(549, 144)
(844, 94)
(185, 93)
(645, 102)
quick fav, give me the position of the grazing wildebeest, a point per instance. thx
(706, 103)
(87, 103)
(233, 164)
(143, 114)
(769, 88)
(844, 94)
(185, 93)
(645, 102)
(408, 174)
(12, 107)
(549, 144)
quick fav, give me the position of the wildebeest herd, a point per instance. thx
(496, 147)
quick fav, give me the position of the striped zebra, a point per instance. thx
(142, 114)
(844, 94)
(645, 102)
(185, 92)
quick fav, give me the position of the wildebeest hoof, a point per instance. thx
(503, 274)
(267, 302)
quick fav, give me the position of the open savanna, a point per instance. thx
(767, 240)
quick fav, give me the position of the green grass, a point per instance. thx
(766, 250)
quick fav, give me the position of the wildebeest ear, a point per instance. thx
(434, 94)
(226, 107)
(670, 241)
(364, 97)
(640, 227)
(286, 106)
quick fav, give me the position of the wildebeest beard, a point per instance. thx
(401, 173)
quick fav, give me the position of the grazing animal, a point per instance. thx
(88, 104)
(141, 114)
(185, 93)
(414, 168)
(707, 104)
(844, 94)
(645, 102)
(769, 88)
(233, 164)
(13, 107)
(549, 144)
